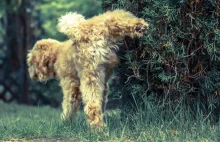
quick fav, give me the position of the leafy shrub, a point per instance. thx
(178, 59)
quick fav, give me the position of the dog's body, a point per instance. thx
(53, 59)
(85, 63)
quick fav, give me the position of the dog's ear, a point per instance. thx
(29, 58)
(31, 61)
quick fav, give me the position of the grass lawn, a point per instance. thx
(42, 123)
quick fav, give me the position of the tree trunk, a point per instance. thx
(17, 38)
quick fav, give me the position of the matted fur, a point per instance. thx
(84, 64)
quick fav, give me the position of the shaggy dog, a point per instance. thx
(84, 63)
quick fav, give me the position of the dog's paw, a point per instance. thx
(101, 127)
(141, 27)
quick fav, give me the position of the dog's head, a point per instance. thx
(41, 59)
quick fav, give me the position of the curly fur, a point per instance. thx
(85, 63)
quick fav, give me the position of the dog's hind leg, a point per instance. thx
(121, 24)
(71, 98)
(92, 85)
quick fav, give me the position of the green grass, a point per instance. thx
(25, 122)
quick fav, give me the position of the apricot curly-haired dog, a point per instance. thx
(84, 63)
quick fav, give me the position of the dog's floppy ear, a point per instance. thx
(29, 58)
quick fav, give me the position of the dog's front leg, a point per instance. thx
(71, 97)
(92, 88)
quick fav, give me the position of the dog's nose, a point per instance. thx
(146, 26)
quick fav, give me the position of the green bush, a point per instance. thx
(177, 61)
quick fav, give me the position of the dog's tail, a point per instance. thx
(68, 23)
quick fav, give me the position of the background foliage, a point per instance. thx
(175, 64)
(51, 11)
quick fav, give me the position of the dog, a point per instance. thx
(86, 61)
